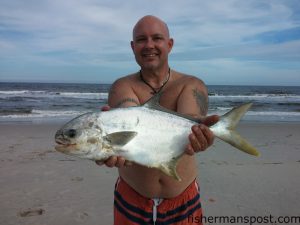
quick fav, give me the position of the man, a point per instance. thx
(145, 195)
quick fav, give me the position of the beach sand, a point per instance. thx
(39, 186)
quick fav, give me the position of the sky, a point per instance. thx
(231, 42)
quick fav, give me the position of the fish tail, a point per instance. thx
(225, 129)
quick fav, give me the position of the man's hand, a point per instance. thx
(113, 161)
(105, 108)
(201, 137)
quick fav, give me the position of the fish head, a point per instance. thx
(81, 137)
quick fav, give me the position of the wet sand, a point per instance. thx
(41, 186)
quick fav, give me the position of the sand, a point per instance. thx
(39, 186)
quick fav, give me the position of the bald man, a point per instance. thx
(145, 195)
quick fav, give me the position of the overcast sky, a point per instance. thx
(253, 42)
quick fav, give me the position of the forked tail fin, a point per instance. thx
(225, 129)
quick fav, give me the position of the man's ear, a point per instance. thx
(170, 43)
(132, 45)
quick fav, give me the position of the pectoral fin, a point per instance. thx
(120, 138)
(170, 169)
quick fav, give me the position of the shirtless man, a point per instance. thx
(145, 195)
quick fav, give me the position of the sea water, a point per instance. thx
(59, 101)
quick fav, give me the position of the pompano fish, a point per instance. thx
(149, 135)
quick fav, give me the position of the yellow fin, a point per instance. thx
(170, 168)
(225, 129)
(240, 143)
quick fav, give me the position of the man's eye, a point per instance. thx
(140, 40)
(158, 38)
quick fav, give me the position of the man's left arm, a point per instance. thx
(193, 101)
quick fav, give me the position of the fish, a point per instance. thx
(149, 135)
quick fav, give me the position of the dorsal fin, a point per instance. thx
(153, 103)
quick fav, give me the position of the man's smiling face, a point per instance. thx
(151, 43)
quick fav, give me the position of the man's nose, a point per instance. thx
(149, 43)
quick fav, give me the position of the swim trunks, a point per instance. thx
(131, 208)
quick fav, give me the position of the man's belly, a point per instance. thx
(152, 183)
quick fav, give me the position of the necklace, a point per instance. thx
(156, 90)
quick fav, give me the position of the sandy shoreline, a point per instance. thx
(41, 186)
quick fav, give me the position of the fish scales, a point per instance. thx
(155, 131)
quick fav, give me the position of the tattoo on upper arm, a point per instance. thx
(127, 100)
(202, 101)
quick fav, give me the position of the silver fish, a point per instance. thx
(149, 135)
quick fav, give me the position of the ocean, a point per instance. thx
(40, 102)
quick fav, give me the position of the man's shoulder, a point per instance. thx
(122, 93)
(187, 79)
(127, 80)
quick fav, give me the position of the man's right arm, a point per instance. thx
(121, 95)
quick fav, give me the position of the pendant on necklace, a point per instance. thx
(155, 90)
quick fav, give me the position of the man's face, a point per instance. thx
(151, 44)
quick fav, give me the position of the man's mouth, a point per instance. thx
(149, 55)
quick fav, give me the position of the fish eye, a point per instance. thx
(71, 133)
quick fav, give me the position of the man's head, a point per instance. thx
(151, 43)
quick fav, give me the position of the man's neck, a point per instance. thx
(155, 77)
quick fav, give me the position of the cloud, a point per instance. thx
(97, 33)
(282, 52)
(275, 37)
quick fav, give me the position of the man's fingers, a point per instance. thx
(189, 149)
(200, 139)
(207, 134)
(105, 108)
(111, 161)
(120, 162)
(114, 161)
(210, 120)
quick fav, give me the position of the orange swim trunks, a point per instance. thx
(130, 208)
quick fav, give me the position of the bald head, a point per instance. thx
(150, 20)
(151, 44)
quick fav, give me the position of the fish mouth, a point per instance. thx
(63, 142)
(64, 147)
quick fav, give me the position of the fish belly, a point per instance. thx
(160, 136)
